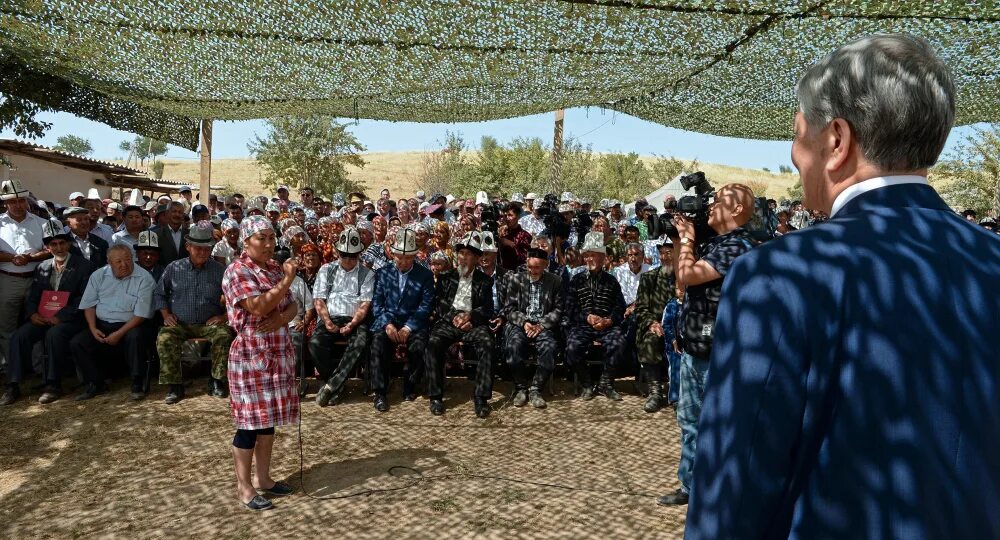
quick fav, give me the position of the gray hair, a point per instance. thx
(118, 247)
(893, 90)
(635, 246)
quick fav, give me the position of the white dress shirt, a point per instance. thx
(341, 290)
(83, 244)
(868, 185)
(628, 281)
(21, 238)
(463, 296)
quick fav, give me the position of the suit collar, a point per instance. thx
(898, 195)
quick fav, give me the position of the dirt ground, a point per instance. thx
(112, 468)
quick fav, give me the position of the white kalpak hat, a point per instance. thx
(12, 189)
(136, 198)
(93, 195)
(473, 241)
(488, 243)
(349, 242)
(594, 241)
(406, 242)
(482, 198)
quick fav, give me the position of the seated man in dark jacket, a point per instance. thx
(595, 308)
(83, 242)
(401, 307)
(534, 312)
(463, 313)
(63, 273)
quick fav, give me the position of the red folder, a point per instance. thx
(52, 302)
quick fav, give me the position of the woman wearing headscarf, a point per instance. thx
(424, 247)
(261, 359)
(442, 239)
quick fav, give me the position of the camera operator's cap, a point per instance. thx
(584, 202)
(517, 197)
(201, 234)
(488, 242)
(593, 242)
(93, 195)
(282, 187)
(52, 231)
(147, 240)
(566, 208)
(349, 242)
(12, 189)
(531, 196)
(472, 241)
(567, 197)
(76, 195)
(420, 195)
(406, 242)
(482, 198)
(449, 198)
(73, 210)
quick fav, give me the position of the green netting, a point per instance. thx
(721, 67)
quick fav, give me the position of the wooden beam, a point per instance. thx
(206, 162)
(557, 148)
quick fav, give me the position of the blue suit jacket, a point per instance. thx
(412, 308)
(853, 386)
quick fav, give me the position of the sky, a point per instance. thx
(605, 131)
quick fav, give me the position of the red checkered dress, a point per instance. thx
(262, 387)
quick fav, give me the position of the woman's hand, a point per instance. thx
(290, 267)
(272, 322)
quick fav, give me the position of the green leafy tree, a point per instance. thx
(795, 192)
(623, 176)
(970, 174)
(784, 169)
(143, 148)
(74, 145)
(308, 151)
(18, 115)
(579, 172)
(448, 169)
(158, 169)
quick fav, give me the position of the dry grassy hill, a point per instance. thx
(399, 172)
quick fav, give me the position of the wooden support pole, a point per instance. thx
(206, 162)
(557, 149)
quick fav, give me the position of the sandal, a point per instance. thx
(279, 489)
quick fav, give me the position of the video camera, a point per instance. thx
(694, 207)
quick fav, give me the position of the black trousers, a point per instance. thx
(132, 344)
(57, 347)
(383, 350)
(579, 339)
(516, 346)
(321, 349)
(444, 335)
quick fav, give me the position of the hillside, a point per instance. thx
(399, 172)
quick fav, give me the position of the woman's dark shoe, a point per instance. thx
(279, 488)
(259, 503)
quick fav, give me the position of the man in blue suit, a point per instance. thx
(402, 303)
(854, 379)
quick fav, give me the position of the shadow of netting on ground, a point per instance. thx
(110, 467)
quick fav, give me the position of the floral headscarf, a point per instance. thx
(252, 225)
(292, 232)
(229, 224)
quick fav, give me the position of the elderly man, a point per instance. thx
(534, 310)
(853, 387)
(463, 313)
(401, 306)
(22, 247)
(172, 236)
(189, 298)
(628, 274)
(53, 303)
(656, 288)
(595, 308)
(83, 242)
(342, 295)
(117, 301)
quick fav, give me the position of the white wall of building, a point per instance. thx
(51, 181)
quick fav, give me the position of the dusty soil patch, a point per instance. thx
(112, 468)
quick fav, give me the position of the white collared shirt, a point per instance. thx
(21, 238)
(874, 183)
(84, 245)
(463, 296)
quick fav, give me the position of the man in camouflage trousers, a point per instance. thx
(189, 297)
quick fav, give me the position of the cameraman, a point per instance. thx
(701, 276)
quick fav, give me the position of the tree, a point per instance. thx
(74, 145)
(971, 173)
(144, 147)
(158, 169)
(309, 151)
(795, 192)
(623, 176)
(448, 170)
(784, 169)
(19, 115)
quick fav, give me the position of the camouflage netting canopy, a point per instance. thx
(725, 67)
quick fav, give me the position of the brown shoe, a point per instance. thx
(50, 394)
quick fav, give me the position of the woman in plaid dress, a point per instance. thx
(262, 387)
